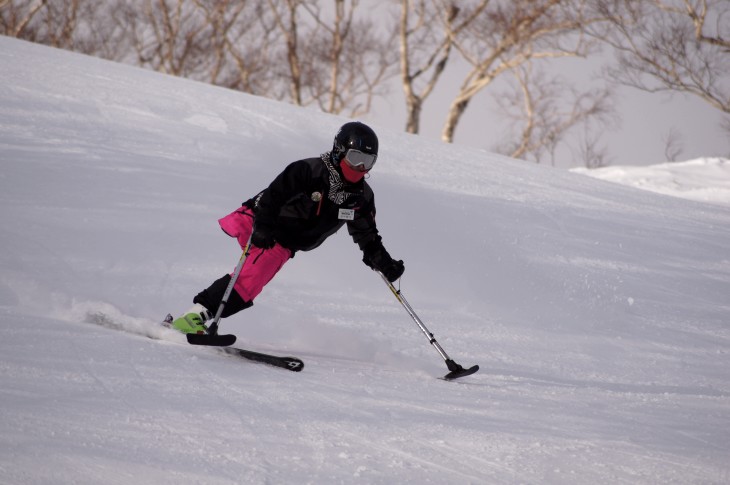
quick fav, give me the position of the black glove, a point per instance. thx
(394, 270)
(376, 257)
(262, 237)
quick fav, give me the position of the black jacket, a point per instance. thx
(309, 201)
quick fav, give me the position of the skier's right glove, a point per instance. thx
(377, 258)
(262, 237)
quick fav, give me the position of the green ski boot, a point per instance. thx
(193, 321)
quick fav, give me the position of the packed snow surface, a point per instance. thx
(599, 314)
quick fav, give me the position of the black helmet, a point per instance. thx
(357, 136)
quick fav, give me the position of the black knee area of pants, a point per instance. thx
(212, 296)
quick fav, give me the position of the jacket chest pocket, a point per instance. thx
(354, 202)
(300, 207)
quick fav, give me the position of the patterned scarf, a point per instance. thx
(337, 192)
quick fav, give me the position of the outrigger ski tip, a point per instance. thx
(458, 371)
(461, 373)
(213, 340)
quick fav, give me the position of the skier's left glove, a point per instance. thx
(377, 258)
(393, 270)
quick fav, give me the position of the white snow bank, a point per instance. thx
(703, 179)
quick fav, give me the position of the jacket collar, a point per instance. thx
(337, 187)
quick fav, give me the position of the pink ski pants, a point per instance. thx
(261, 264)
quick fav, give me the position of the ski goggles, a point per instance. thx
(360, 160)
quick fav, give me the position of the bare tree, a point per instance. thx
(169, 36)
(60, 21)
(427, 31)
(285, 19)
(672, 45)
(351, 59)
(66, 25)
(222, 42)
(15, 15)
(239, 44)
(297, 50)
(221, 17)
(672, 145)
(593, 155)
(338, 63)
(510, 33)
(546, 110)
(106, 35)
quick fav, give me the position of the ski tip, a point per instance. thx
(294, 364)
(461, 372)
(211, 340)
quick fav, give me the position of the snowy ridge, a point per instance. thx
(703, 180)
(598, 313)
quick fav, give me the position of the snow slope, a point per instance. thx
(598, 313)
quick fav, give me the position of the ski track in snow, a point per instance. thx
(597, 312)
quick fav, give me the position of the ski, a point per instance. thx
(223, 344)
(289, 363)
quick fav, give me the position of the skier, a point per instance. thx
(304, 205)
